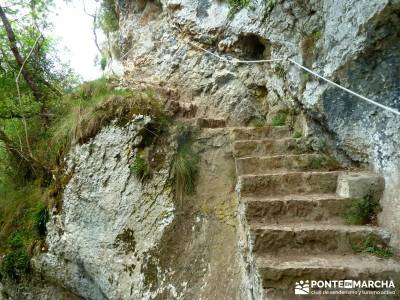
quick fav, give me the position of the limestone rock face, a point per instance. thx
(109, 219)
(354, 43)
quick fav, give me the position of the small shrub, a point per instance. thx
(316, 35)
(103, 63)
(15, 264)
(140, 168)
(40, 218)
(297, 135)
(279, 120)
(373, 246)
(185, 164)
(108, 17)
(236, 5)
(280, 71)
(362, 211)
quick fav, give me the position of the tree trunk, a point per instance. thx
(20, 62)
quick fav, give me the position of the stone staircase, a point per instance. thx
(294, 213)
(193, 114)
(293, 210)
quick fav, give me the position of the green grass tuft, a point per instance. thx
(15, 264)
(257, 122)
(373, 246)
(280, 71)
(236, 5)
(279, 120)
(41, 217)
(324, 162)
(297, 134)
(185, 164)
(362, 211)
(140, 168)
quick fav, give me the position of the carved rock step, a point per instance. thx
(313, 238)
(205, 122)
(256, 133)
(246, 148)
(280, 273)
(268, 185)
(296, 208)
(180, 109)
(294, 162)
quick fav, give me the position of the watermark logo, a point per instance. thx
(345, 287)
(302, 287)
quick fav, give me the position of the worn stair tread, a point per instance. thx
(280, 163)
(352, 262)
(296, 227)
(270, 146)
(321, 208)
(285, 183)
(289, 172)
(295, 197)
(205, 122)
(277, 156)
(267, 139)
(279, 273)
(254, 133)
(312, 237)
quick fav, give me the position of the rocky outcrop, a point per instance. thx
(351, 42)
(118, 237)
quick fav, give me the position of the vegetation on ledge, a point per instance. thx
(185, 163)
(27, 189)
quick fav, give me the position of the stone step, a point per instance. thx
(256, 133)
(297, 208)
(279, 274)
(268, 185)
(293, 162)
(313, 238)
(179, 109)
(263, 147)
(210, 123)
(204, 122)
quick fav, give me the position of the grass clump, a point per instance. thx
(362, 211)
(16, 262)
(257, 122)
(41, 217)
(140, 167)
(373, 246)
(323, 162)
(280, 71)
(101, 103)
(279, 120)
(236, 5)
(297, 134)
(23, 218)
(185, 163)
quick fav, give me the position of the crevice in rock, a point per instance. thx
(252, 47)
